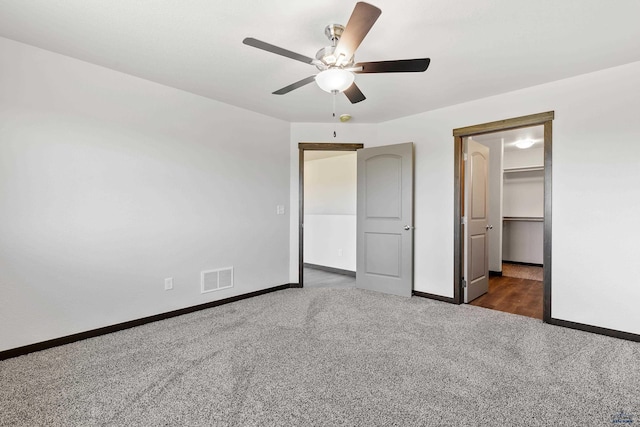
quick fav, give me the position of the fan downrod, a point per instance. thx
(333, 33)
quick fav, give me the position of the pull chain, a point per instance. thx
(334, 42)
(334, 92)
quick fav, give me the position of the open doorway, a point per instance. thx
(513, 225)
(327, 244)
(384, 216)
(330, 195)
(515, 203)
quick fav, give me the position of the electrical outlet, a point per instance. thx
(339, 252)
(168, 283)
(280, 210)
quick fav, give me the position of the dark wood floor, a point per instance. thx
(513, 295)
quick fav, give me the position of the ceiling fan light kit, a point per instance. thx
(335, 80)
(336, 62)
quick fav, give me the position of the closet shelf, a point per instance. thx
(523, 218)
(525, 169)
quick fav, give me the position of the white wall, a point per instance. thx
(110, 183)
(330, 211)
(523, 241)
(330, 241)
(519, 158)
(524, 194)
(330, 185)
(595, 191)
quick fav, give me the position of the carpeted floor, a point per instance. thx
(315, 278)
(334, 357)
(520, 271)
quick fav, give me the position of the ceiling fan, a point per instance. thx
(336, 62)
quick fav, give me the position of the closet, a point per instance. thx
(523, 205)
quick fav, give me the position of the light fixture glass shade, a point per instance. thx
(524, 143)
(335, 79)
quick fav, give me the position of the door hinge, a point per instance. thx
(464, 283)
(463, 220)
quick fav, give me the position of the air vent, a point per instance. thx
(215, 280)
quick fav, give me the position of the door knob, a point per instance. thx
(489, 227)
(408, 227)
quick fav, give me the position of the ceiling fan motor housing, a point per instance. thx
(333, 32)
(325, 55)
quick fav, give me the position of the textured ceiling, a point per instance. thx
(477, 48)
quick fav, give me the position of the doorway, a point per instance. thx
(384, 216)
(320, 268)
(517, 219)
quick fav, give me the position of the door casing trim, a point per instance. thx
(545, 119)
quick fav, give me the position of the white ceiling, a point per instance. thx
(477, 48)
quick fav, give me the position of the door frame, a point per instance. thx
(302, 147)
(545, 119)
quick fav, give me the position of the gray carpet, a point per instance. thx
(335, 357)
(315, 278)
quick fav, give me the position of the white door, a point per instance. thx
(385, 219)
(476, 260)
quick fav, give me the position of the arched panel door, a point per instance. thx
(477, 217)
(385, 219)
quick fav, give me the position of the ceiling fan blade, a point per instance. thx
(399, 66)
(250, 41)
(362, 19)
(354, 94)
(295, 85)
